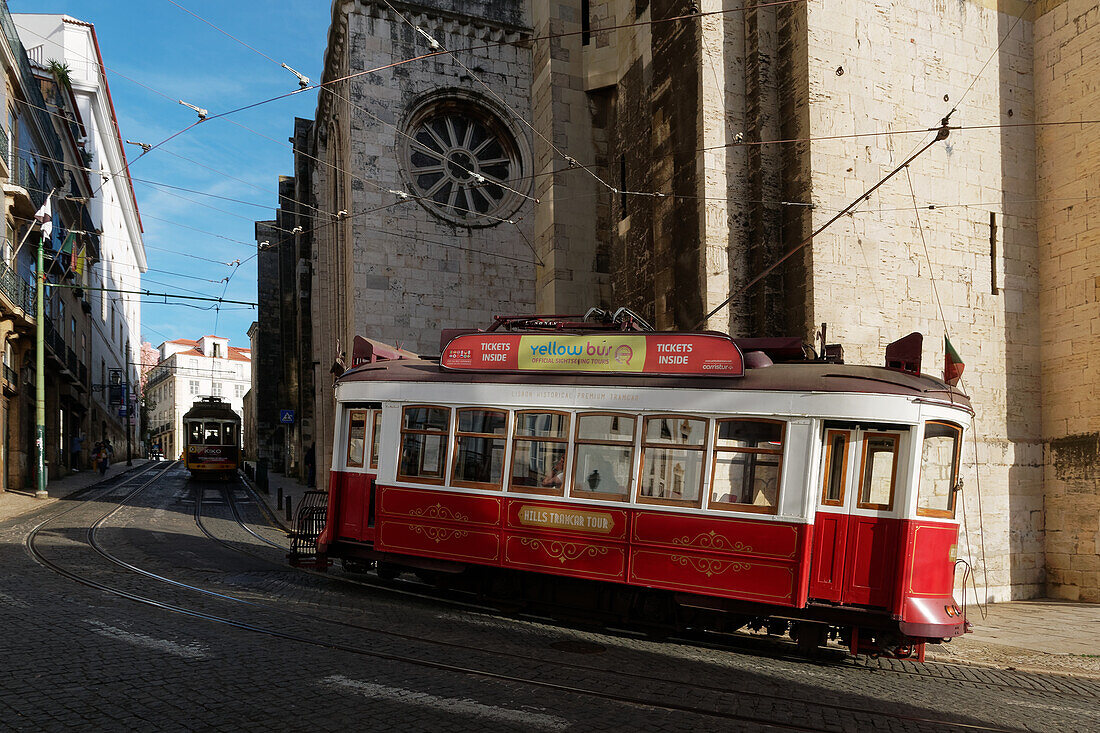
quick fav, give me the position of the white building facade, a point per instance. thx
(113, 353)
(188, 371)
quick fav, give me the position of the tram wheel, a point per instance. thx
(809, 637)
(354, 565)
(387, 570)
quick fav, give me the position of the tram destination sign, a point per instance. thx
(670, 353)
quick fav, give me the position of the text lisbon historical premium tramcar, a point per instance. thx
(212, 435)
(659, 477)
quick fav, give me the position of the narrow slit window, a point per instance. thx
(836, 468)
(748, 458)
(357, 429)
(375, 437)
(424, 432)
(994, 283)
(880, 464)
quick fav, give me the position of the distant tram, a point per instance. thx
(212, 435)
(675, 480)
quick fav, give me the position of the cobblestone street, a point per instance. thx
(205, 627)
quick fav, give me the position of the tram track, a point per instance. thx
(229, 493)
(94, 543)
(40, 557)
(755, 646)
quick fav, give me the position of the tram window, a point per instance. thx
(939, 470)
(375, 437)
(604, 462)
(213, 433)
(672, 459)
(538, 452)
(357, 430)
(836, 468)
(229, 434)
(424, 443)
(194, 434)
(479, 447)
(748, 456)
(880, 459)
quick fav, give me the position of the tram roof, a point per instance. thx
(796, 377)
(211, 411)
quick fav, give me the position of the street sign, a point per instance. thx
(286, 417)
(122, 411)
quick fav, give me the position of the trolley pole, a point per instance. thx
(40, 369)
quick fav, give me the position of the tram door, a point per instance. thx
(355, 486)
(856, 529)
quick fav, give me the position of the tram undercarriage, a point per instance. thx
(658, 613)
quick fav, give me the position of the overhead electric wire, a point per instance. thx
(399, 192)
(943, 134)
(219, 30)
(996, 51)
(148, 294)
(246, 183)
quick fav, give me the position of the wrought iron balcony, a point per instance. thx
(25, 178)
(18, 291)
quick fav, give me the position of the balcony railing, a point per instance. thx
(11, 375)
(71, 362)
(157, 377)
(25, 178)
(19, 291)
(4, 145)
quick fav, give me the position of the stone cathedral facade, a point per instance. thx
(661, 154)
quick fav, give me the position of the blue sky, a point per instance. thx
(163, 47)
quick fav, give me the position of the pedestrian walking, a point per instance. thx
(75, 448)
(102, 458)
(311, 466)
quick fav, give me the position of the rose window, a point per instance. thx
(463, 163)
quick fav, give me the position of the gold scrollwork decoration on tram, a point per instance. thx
(711, 566)
(438, 511)
(563, 551)
(439, 534)
(712, 541)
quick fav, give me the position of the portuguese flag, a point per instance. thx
(952, 363)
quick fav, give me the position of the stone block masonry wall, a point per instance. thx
(411, 273)
(391, 269)
(570, 224)
(877, 66)
(1067, 67)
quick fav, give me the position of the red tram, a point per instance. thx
(658, 477)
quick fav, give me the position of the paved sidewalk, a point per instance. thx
(1036, 635)
(18, 502)
(277, 508)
